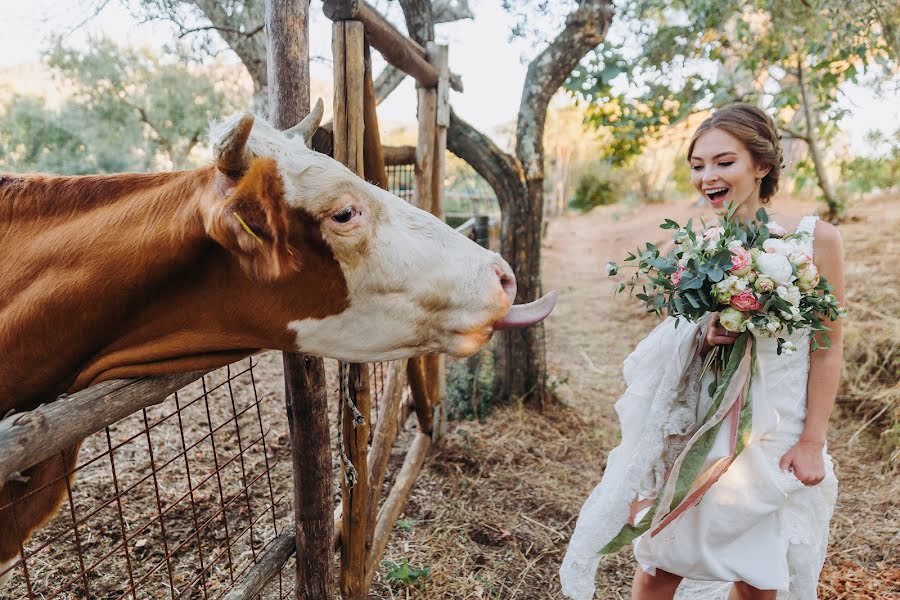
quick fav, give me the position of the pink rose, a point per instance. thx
(676, 276)
(745, 301)
(741, 261)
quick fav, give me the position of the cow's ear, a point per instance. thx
(253, 223)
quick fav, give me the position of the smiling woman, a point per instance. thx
(735, 157)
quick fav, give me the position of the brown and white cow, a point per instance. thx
(274, 246)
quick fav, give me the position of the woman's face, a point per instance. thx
(723, 171)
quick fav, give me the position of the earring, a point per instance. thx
(758, 180)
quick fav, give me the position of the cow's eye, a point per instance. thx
(344, 215)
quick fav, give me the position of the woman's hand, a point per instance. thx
(807, 462)
(716, 335)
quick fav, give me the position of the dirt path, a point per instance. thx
(493, 511)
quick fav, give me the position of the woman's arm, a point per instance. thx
(824, 366)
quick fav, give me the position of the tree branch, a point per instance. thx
(792, 133)
(585, 29)
(220, 29)
(502, 172)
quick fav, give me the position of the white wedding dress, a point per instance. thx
(757, 523)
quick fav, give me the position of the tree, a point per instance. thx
(793, 56)
(164, 105)
(127, 110)
(34, 137)
(518, 180)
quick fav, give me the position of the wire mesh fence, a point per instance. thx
(177, 500)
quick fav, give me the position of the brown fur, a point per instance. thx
(127, 275)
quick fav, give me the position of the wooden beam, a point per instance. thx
(287, 61)
(385, 433)
(349, 74)
(356, 412)
(287, 26)
(397, 499)
(399, 155)
(396, 48)
(373, 152)
(348, 48)
(27, 438)
(418, 385)
(435, 364)
(267, 565)
(307, 408)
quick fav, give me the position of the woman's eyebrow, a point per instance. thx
(721, 154)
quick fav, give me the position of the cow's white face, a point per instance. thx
(413, 283)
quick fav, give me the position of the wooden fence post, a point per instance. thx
(348, 50)
(436, 364)
(287, 24)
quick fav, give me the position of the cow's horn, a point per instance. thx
(307, 127)
(231, 152)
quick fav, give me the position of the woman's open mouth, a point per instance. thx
(716, 195)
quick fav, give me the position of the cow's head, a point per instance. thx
(392, 280)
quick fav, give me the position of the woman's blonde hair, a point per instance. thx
(757, 131)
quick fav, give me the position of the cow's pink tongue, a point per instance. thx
(523, 315)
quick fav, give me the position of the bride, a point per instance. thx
(760, 532)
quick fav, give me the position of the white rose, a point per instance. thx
(776, 229)
(807, 276)
(799, 258)
(777, 246)
(713, 234)
(775, 266)
(732, 320)
(790, 294)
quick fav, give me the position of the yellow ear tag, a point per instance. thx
(247, 227)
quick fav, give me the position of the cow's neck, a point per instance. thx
(107, 279)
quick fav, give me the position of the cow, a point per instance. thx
(273, 246)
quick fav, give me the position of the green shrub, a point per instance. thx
(469, 387)
(593, 191)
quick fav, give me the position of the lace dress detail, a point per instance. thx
(757, 523)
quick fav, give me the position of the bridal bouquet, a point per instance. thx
(762, 282)
(756, 275)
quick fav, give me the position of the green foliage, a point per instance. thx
(405, 524)
(697, 54)
(593, 191)
(129, 110)
(34, 137)
(864, 174)
(681, 177)
(403, 573)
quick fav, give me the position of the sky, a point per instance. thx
(491, 65)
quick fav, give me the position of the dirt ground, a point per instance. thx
(492, 513)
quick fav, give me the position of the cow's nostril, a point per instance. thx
(507, 282)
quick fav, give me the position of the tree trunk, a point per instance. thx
(519, 181)
(835, 204)
(306, 398)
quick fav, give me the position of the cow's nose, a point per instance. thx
(507, 280)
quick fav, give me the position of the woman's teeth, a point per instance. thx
(716, 193)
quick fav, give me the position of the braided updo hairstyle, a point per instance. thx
(757, 131)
